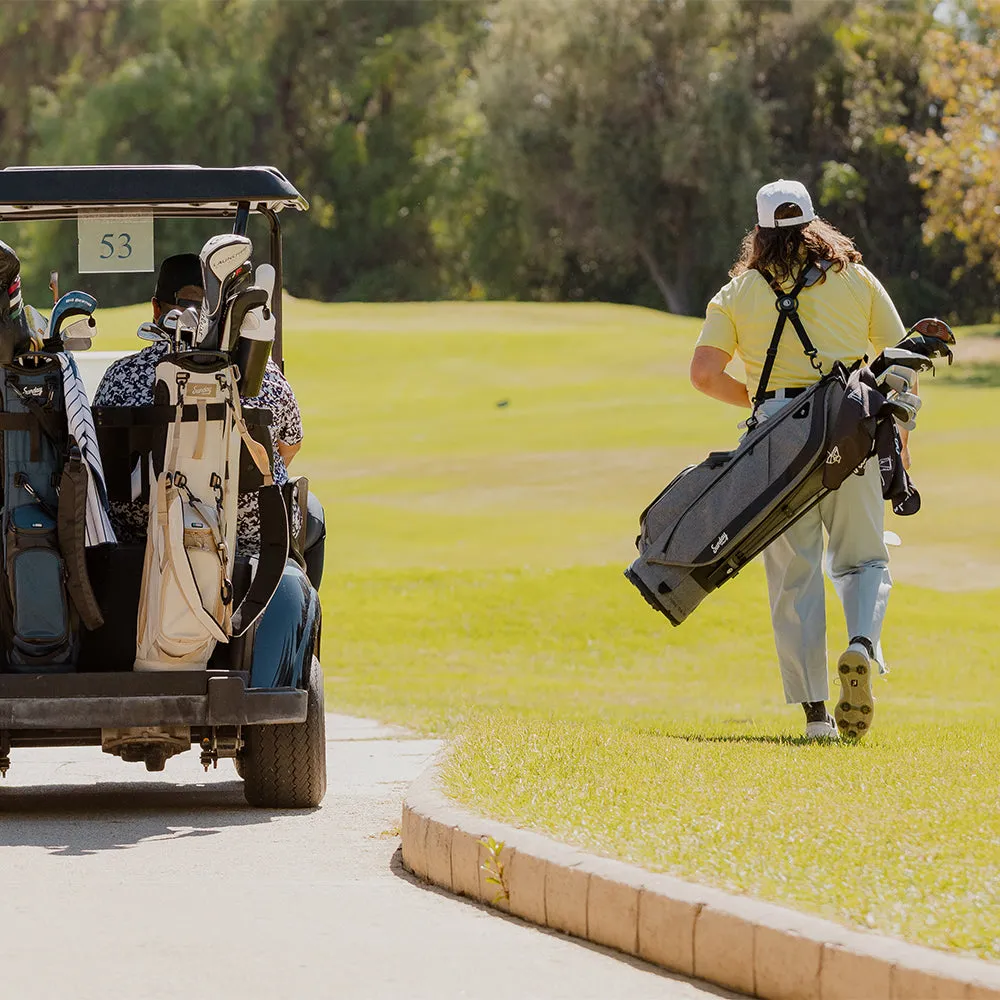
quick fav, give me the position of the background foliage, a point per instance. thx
(535, 149)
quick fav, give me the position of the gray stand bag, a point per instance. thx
(713, 518)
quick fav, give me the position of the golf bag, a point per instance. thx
(713, 518)
(186, 600)
(46, 591)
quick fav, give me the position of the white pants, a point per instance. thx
(857, 562)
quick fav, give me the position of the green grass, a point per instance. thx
(482, 467)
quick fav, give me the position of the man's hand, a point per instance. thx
(708, 375)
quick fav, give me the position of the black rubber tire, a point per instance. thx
(284, 767)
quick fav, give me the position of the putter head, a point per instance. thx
(79, 336)
(224, 261)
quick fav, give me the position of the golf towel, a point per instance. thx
(80, 425)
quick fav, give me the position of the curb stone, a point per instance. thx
(761, 949)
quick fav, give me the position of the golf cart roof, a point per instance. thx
(179, 190)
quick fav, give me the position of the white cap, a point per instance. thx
(781, 192)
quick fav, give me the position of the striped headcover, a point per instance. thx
(80, 424)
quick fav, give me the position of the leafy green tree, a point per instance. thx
(958, 164)
(626, 134)
(341, 96)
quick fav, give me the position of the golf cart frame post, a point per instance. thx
(163, 192)
(73, 709)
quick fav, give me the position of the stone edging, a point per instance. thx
(757, 948)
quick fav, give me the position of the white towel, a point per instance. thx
(80, 424)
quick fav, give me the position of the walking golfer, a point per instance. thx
(847, 314)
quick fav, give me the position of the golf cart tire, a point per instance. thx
(284, 767)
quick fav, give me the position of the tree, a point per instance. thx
(625, 132)
(958, 164)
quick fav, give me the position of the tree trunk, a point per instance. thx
(675, 298)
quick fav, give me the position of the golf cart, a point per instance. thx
(259, 700)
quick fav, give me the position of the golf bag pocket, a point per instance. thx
(39, 633)
(184, 606)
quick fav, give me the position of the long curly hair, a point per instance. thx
(783, 251)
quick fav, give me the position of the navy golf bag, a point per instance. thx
(45, 588)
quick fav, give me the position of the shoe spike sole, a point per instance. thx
(856, 706)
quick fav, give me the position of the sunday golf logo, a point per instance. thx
(833, 458)
(719, 542)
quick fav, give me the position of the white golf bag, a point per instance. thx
(186, 602)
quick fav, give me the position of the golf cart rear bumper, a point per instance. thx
(123, 700)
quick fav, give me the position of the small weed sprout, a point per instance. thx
(496, 872)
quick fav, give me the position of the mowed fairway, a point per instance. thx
(482, 467)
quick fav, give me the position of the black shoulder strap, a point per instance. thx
(270, 562)
(787, 304)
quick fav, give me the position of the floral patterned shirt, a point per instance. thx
(129, 382)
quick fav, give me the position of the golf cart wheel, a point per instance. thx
(284, 767)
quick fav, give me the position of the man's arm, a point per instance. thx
(708, 375)
(288, 451)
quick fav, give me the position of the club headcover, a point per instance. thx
(246, 301)
(221, 257)
(937, 328)
(930, 337)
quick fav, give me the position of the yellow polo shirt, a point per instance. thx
(848, 316)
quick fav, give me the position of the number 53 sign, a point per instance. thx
(115, 243)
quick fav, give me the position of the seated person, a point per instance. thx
(130, 381)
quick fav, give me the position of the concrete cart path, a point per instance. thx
(120, 883)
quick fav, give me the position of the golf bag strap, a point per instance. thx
(71, 522)
(788, 309)
(270, 562)
(176, 560)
